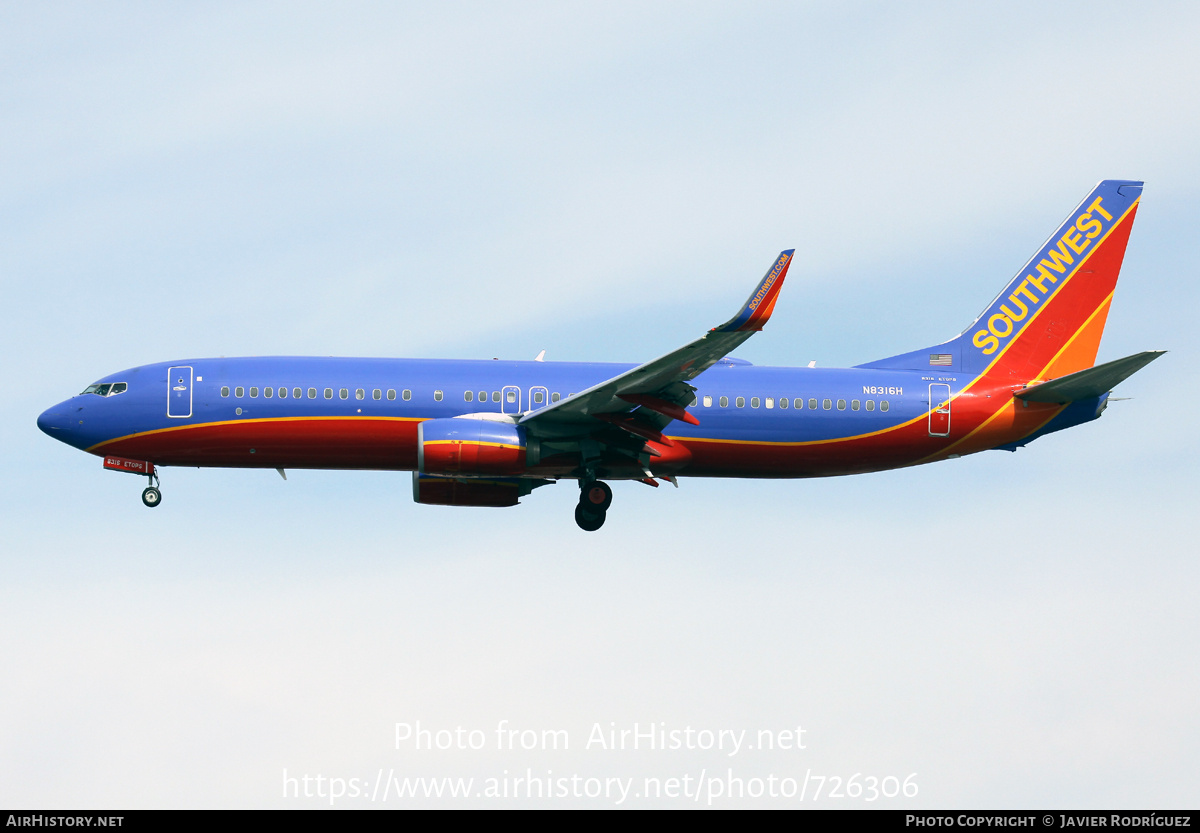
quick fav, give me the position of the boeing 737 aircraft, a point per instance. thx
(486, 433)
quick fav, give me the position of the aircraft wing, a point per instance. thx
(659, 389)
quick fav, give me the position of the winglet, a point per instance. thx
(757, 309)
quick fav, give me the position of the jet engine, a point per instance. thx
(452, 491)
(471, 447)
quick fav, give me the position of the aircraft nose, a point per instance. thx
(54, 421)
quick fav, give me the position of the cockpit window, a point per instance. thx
(107, 389)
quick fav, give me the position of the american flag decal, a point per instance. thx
(940, 359)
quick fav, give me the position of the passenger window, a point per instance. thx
(297, 393)
(724, 400)
(554, 397)
(239, 392)
(483, 396)
(870, 404)
(770, 403)
(344, 394)
(437, 396)
(283, 393)
(754, 402)
(268, 392)
(253, 393)
(812, 404)
(406, 394)
(854, 404)
(783, 403)
(329, 393)
(538, 397)
(312, 393)
(826, 404)
(708, 402)
(225, 391)
(377, 394)
(740, 402)
(799, 403)
(391, 395)
(511, 396)
(495, 396)
(360, 394)
(119, 387)
(883, 406)
(469, 396)
(841, 404)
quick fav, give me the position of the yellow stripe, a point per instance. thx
(1103, 305)
(473, 442)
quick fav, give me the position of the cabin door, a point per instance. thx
(539, 397)
(510, 400)
(939, 410)
(179, 392)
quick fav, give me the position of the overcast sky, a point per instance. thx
(604, 182)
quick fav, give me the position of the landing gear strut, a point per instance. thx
(595, 497)
(152, 495)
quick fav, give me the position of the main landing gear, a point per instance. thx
(152, 495)
(594, 499)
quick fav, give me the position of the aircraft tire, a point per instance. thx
(597, 496)
(151, 497)
(589, 520)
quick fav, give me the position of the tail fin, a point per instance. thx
(1048, 321)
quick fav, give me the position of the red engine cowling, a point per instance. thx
(471, 447)
(449, 491)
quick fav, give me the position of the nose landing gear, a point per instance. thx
(595, 497)
(152, 495)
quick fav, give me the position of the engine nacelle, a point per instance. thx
(471, 447)
(451, 491)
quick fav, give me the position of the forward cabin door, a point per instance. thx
(179, 392)
(939, 410)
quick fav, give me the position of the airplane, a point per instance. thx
(487, 433)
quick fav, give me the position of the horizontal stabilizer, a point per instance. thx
(1094, 381)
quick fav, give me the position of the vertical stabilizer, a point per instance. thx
(1048, 321)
